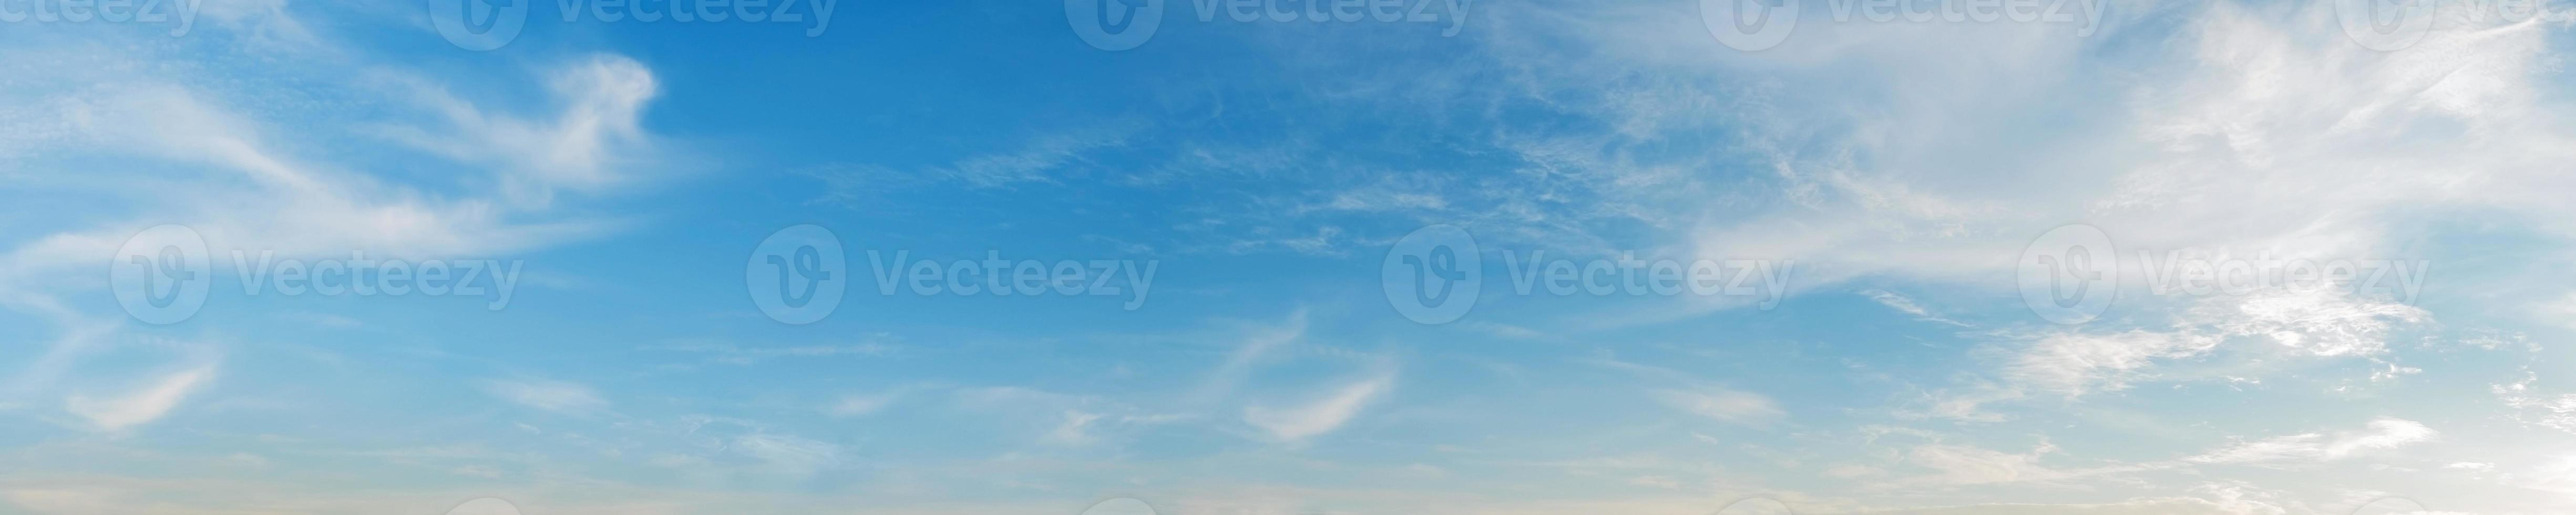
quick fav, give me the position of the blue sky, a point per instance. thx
(1885, 203)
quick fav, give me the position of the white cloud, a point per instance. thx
(1071, 431)
(159, 142)
(2299, 323)
(2386, 433)
(2246, 143)
(143, 405)
(1238, 365)
(485, 506)
(1062, 419)
(1323, 415)
(2072, 363)
(594, 142)
(1886, 152)
(555, 396)
(1038, 158)
(2141, 506)
(1724, 405)
(2555, 412)
(860, 405)
(2316, 321)
(2562, 311)
(1854, 471)
(286, 204)
(65, 501)
(788, 454)
(1963, 465)
(2558, 475)
(1905, 305)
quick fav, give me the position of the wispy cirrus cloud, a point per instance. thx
(2287, 324)
(1906, 305)
(2386, 433)
(181, 146)
(555, 396)
(1724, 405)
(1324, 414)
(144, 404)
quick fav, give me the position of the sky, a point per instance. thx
(1122, 257)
